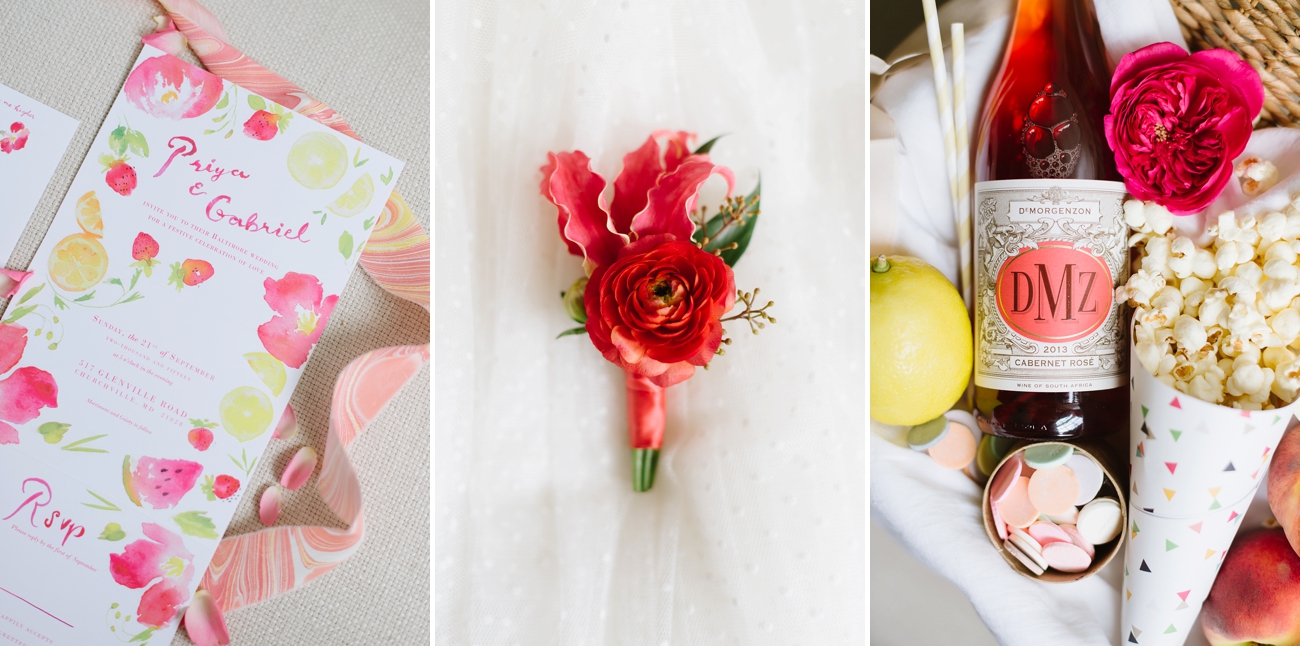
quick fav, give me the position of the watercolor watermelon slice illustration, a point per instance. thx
(159, 482)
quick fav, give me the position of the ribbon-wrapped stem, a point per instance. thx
(645, 428)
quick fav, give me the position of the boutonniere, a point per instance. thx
(659, 283)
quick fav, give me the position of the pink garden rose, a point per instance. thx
(1177, 122)
(166, 86)
(655, 300)
(159, 559)
(301, 312)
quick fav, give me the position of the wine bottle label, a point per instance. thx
(1048, 256)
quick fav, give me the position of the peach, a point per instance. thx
(1256, 597)
(1284, 485)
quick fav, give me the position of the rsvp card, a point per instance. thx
(33, 138)
(180, 290)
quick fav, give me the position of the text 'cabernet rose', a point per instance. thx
(1178, 121)
(656, 311)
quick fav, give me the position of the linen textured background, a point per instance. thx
(369, 61)
(754, 531)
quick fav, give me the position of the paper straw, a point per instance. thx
(944, 99)
(963, 158)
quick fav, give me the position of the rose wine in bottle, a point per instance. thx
(1051, 343)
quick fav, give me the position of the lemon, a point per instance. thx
(356, 199)
(269, 369)
(78, 262)
(89, 216)
(921, 347)
(318, 160)
(245, 413)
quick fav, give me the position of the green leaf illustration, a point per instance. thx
(19, 313)
(345, 245)
(58, 302)
(370, 222)
(107, 506)
(112, 532)
(387, 178)
(143, 636)
(137, 143)
(255, 102)
(225, 101)
(82, 299)
(30, 293)
(357, 162)
(117, 140)
(77, 446)
(196, 524)
(53, 431)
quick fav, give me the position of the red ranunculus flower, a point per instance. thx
(1177, 122)
(656, 310)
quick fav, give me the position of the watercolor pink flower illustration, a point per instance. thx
(26, 390)
(165, 86)
(15, 138)
(159, 559)
(301, 312)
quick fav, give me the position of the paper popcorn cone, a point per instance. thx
(1169, 567)
(1188, 457)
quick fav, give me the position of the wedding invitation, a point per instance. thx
(181, 288)
(33, 138)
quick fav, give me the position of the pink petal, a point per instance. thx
(641, 169)
(280, 337)
(11, 281)
(25, 392)
(138, 565)
(268, 508)
(1234, 72)
(575, 190)
(293, 291)
(1137, 62)
(158, 604)
(13, 340)
(672, 200)
(287, 429)
(679, 147)
(299, 469)
(204, 621)
(675, 374)
(8, 434)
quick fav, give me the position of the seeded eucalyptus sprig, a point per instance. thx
(755, 316)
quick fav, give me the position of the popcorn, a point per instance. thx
(1220, 322)
(1256, 176)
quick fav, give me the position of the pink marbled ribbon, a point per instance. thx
(257, 566)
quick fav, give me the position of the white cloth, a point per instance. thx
(936, 513)
(754, 531)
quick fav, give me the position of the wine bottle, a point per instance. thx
(1051, 343)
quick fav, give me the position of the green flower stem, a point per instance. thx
(644, 462)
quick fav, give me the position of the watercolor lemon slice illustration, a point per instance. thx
(356, 199)
(269, 369)
(245, 413)
(89, 217)
(318, 160)
(78, 262)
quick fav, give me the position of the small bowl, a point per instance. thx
(1110, 487)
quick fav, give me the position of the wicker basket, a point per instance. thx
(1266, 33)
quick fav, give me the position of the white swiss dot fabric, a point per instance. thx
(754, 531)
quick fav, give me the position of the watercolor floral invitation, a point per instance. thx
(33, 138)
(188, 274)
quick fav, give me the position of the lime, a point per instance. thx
(356, 199)
(269, 369)
(921, 347)
(245, 413)
(318, 160)
(78, 262)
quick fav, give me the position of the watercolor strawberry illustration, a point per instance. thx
(189, 273)
(159, 482)
(201, 436)
(119, 175)
(262, 126)
(145, 252)
(222, 487)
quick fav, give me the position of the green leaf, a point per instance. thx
(707, 146)
(107, 506)
(76, 446)
(345, 245)
(106, 161)
(357, 162)
(208, 132)
(370, 222)
(572, 331)
(53, 431)
(112, 532)
(225, 100)
(115, 281)
(18, 313)
(323, 217)
(255, 102)
(737, 233)
(138, 144)
(387, 178)
(196, 524)
(143, 636)
(82, 299)
(117, 140)
(228, 134)
(135, 296)
(30, 293)
(54, 346)
(58, 302)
